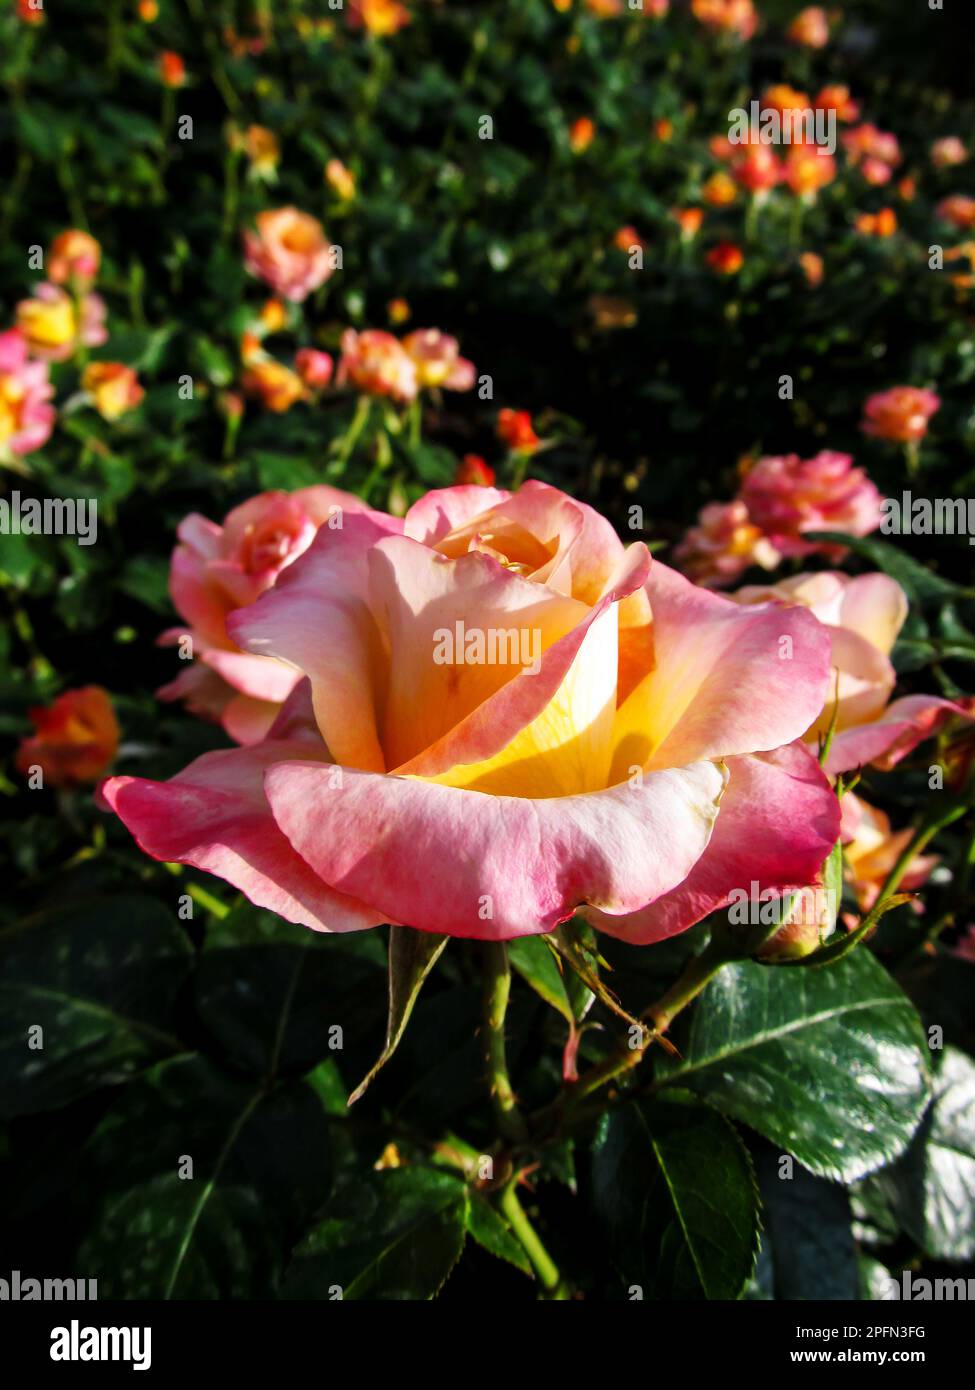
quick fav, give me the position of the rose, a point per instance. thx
(76, 740)
(810, 28)
(736, 17)
(377, 363)
(289, 250)
(864, 616)
(787, 496)
(276, 386)
(314, 368)
(900, 414)
(438, 361)
(26, 417)
(639, 766)
(113, 387)
(74, 258)
(216, 569)
(724, 543)
(54, 325)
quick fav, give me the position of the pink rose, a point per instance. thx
(288, 250)
(786, 496)
(26, 417)
(864, 616)
(438, 360)
(507, 716)
(217, 569)
(724, 543)
(314, 367)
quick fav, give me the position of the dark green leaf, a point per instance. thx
(489, 1229)
(99, 980)
(412, 955)
(674, 1188)
(829, 1064)
(395, 1235)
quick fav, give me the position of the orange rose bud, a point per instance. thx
(663, 129)
(340, 179)
(315, 368)
(250, 348)
(812, 268)
(689, 220)
(473, 469)
(907, 189)
(148, 11)
(76, 738)
(74, 257)
(726, 258)
(720, 190)
(274, 316)
(878, 224)
(810, 28)
(113, 387)
(276, 386)
(398, 311)
(582, 132)
(626, 238)
(515, 429)
(172, 69)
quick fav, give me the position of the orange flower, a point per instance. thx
(836, 97)
(736, 17)
(340, 179)
(76, 738)
(959, 210)
(30, 11)
(314, 367)
(276, 386)
(516, 430)
(907, 188)
(581, 134)
(172, 69)
(756, 168)
(783, 98)
(274, 316)
(74, 257)
(689, 220)
(726, 258)
(878, 224)
(113, 387)
(378, 17)
(900, 414)
(812, 268)
(720, 190)
(663, 129)
(398, 310)
(810, 28)
(148, 11)
(472, 469)
(263, 151)
(808, 168)
(626, 238)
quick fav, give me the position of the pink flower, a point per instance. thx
(314, 367)
(787, 496)
(26, 417)
(438, 361)
(958, 210)
(724, 543)
(900, 414)
(507, 716)
(289, 251)
(863, 616)
(217, 569)
(378, 364)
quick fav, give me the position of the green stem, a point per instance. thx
(541, 1261)
(497, 988)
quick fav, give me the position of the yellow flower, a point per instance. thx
(48, 324)
(114, 388)
(341, 179)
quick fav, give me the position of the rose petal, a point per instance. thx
(214, 816)
(494, 867)
(778, 821)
